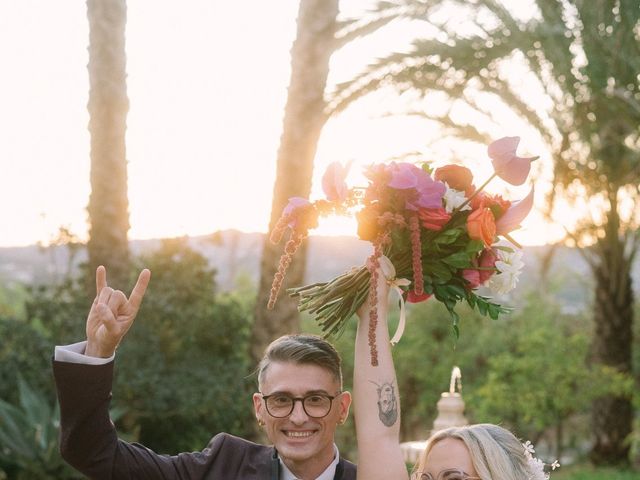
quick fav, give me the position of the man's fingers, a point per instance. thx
(116, 300)
(135, 299)
(101, 279)
(105, 295)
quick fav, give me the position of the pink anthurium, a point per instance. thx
(516, 213)
(507, 165)
(333, 182)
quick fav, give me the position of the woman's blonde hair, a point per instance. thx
(495, 452)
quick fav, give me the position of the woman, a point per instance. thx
(486, 452)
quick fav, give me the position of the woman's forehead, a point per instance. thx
(449, 453)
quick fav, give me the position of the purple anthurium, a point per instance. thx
(429, 193)
(333, 182)
(507, 165)
(518, 211)
(403, 176)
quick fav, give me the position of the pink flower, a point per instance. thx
(516, 213)
(302, 214)
(507, 165)
(472, 276)
(333, 184)
(487, 260)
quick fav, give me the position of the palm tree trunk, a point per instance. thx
(108, 107)
(303, 121)
(612, 415)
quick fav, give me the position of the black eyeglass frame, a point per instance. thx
(301, 400)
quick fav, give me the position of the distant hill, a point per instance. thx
(235, 254)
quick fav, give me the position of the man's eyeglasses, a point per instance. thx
(315, 405)
(448, 474)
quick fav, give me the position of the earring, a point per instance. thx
(341, 421)
(260, 422)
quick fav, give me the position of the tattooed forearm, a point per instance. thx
(387, 403)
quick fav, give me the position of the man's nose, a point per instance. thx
(298, 415)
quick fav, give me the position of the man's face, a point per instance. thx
(300, 439)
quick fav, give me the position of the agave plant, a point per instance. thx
(29, 437)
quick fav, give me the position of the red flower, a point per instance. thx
(412, 297)
(434, 218)
(457, 177)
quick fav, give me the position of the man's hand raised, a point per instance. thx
(112, 314)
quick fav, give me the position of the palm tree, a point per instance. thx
(108, 107)
(585, 58)
(319, 34)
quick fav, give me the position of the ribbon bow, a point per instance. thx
(389, 272)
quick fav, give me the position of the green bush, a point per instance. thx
(25, 349)
(180, 373)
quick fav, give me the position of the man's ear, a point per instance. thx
(345, 403)
(258, 406)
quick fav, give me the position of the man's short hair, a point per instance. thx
(302, 349)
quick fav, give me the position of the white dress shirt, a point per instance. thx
(328, 474)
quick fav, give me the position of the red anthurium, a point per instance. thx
(507, 165)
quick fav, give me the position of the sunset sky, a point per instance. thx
(207, 86)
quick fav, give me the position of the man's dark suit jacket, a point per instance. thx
(89, 442)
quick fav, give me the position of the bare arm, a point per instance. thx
(376, 399)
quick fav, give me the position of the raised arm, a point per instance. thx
(376, 398)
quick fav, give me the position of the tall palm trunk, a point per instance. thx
(612, 416)
(108, 107)
(303, 121)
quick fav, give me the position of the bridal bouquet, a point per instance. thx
(433, 234)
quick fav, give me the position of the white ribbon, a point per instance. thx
(389, 272)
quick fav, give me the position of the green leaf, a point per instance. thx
(458, 260)
(494, 311)
(438, 271)
(474, 246)
(448, 236)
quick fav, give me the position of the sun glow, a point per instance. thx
(206, 107)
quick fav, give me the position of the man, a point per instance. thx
(300, 403)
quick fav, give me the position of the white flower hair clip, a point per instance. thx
(536, 466)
